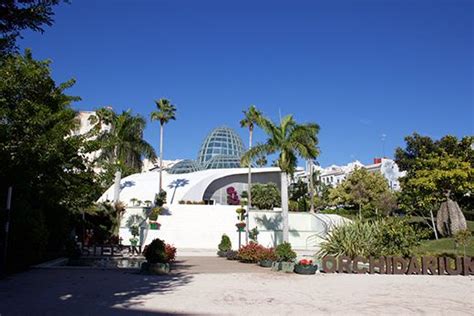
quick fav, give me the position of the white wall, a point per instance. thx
(201, 226)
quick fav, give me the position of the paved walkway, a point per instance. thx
(210, 285)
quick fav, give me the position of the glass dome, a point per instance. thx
(222, 141)
(185, 166)
(223, 162)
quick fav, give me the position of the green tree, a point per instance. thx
(165, 113)
(16, 16)
(122, 146)
(251, 117)
(266, 196)
(366, 190)
(288, 140)
(434, 168)
(40, 159)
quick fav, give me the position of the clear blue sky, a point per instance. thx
(359, 69)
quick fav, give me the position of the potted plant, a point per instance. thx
(250, 253)
(232, 255)
(285, 256)
(158, 257)
(224, 246)
(134, 230)
(240, 226)
(134, 201)
(306, 266)
(134, 241)
(267, 257)
(153, 217)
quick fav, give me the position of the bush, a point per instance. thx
(293, 206)
(160, 198)
(387, 237)
(285, 253)
(251, 253)
(268, 254)
(170, 252)
(232, 255)
(155, 252)
(265, 196)
(154, 213)
(225, 244)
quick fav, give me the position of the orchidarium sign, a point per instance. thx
(399, 265)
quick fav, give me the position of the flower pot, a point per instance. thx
(154, 225)
(265, 263)
(155, 268)
(133, 242)
(306, 268)
(286, 267)
(222, 254)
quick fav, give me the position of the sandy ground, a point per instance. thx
(206, 285)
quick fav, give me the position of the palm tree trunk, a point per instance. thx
(161, 159)
(249, 193)
(311, 186)
(284, 205)
(118, 176)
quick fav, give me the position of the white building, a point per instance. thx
(334, 175)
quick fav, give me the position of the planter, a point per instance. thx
(222, 254)
(134, 242)
(265, 263)
(154, 225)
(306, 269)
(287, 267)
(155, 268)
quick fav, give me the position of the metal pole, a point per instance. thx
(311, 192)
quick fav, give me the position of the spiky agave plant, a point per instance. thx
(450, 219)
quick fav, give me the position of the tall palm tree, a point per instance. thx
(123, 144)
(289, 140)
(165, 113)
(251, 117)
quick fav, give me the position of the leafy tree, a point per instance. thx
(165, 113)
(369, 191)
(40, 159)
(299, 193)
(433, 169)
(261, 161)
(289, 140)
(18, 15)
(251, 118)
(266, 196)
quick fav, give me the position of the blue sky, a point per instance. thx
(359, 69)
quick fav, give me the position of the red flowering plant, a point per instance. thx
(251, 253)
(305, 262)
(170, 252)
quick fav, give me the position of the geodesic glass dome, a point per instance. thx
(222, 141)
(223, 162)
(185, 166)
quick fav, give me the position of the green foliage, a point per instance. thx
(293, 206)
(284, 252)
(155, 252)
(225, 244)
(462, 238)
(160, 198)
(268, 254)
(369, 191)
(386, 237)
(133, 223)
(253, 234)
(434, 168)
(154, 213)
(18, 15)
(40, 159)
(265, 196)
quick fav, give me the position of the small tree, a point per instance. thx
(462, 237)
(225, 244)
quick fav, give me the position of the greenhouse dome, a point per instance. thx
(223, 162)
(222, 141)
(185, 166)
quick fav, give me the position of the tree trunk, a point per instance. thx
(311, 186)
(160, 187)
(434, 226)
(249, 193)
(118, 176)
(284, 205)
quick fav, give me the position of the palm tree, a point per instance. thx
(123, 145)
(251, 118)
(166, 112)
(289, 140)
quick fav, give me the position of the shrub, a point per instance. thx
(285, 253)
(155, 252)
(387, 237)
(293, 206)
(182, 202)
(170, 252)
(232, 255)
(251, 253)
(265, 196)
(154, 214)
(268, 254)
(225, 244)
(160, 198)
